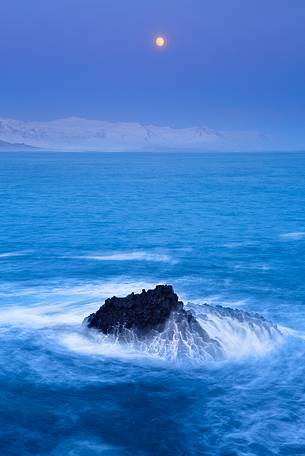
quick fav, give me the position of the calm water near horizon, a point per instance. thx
(76, 228)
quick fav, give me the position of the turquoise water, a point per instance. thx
(226, 229)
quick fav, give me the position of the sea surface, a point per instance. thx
(223, 229)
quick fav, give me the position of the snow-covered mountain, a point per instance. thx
(76, 134)
(14, 147)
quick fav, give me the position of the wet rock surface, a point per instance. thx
(143, 312)
(155, 322)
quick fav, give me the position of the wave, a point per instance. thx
(293, 236)
(74, 289)
(254, 266)
(128, 256)
(241, 334)
(238, 244)
(73, 447)
(66, 304)
(11, 254)
(226, 333)
(292, 332)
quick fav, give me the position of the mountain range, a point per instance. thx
(77, 134)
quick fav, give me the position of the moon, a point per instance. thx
(160, 41)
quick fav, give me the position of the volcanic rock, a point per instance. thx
(143, 312)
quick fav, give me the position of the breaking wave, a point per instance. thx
(239, 333)
(11, 254)
(294, 236)
(128, 256)
(227, 334)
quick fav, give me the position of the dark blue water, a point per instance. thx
(224, 229)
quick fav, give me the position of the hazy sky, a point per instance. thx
(229, 64)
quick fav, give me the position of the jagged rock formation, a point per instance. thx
(155, 322)
(142, 312)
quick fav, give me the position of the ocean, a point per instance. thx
(224, 229)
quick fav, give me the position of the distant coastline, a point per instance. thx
(16, 147)
(82, 135)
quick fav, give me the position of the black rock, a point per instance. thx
(149, 310)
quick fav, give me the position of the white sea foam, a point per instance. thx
(238, 244)
(100, 290)
(254, 266)
(98, 345)
(171, 344)
(68, 304)
(128, 256)
(231, 335)
(41, 316)
(218, 300)
(11, 254)
(74, 447)
(293, 236)
(292, 332)
(240, 336)
(60, 311)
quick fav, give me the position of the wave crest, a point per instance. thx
(222, 334)
(128, 256)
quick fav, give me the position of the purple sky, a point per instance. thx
(229, 64)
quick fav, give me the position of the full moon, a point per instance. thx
(160, 41)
